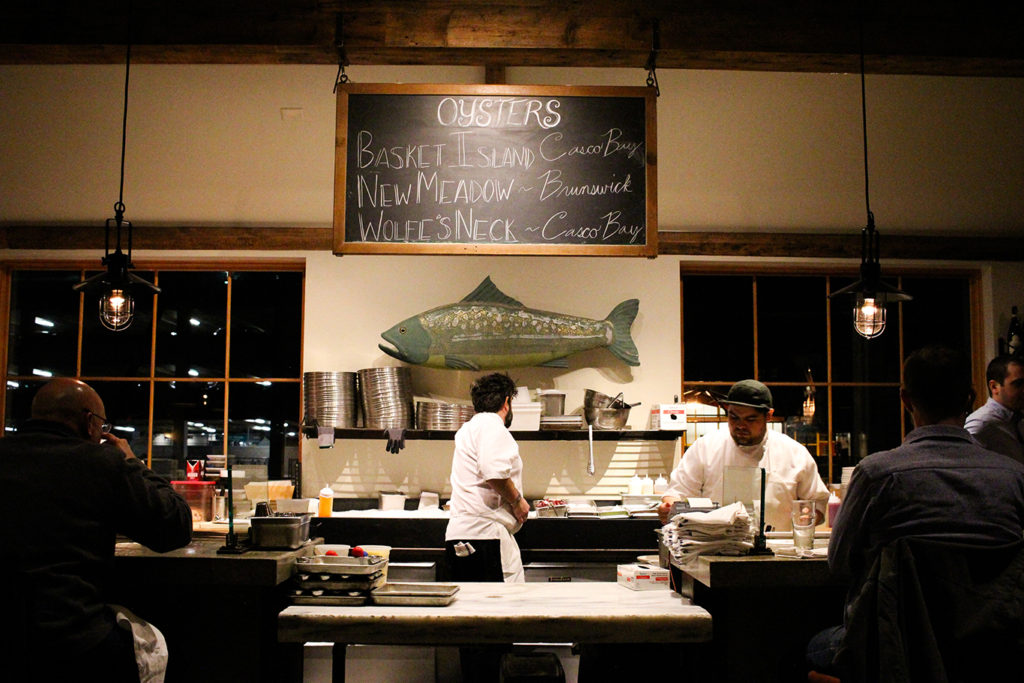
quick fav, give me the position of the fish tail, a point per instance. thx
(621, 318)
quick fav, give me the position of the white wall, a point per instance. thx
(254, 145)
(352, 299)
(737, 150)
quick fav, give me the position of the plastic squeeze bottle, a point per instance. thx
(660, 484)
(326, 502)
(635, 485)
(833, 507)
(647, 485)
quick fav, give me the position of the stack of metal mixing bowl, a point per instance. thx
(442, 415)
(330, 399)
(386, 395)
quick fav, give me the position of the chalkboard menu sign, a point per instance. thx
(495, 169)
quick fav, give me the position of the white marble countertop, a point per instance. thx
(586, 612)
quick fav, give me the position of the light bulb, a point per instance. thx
(117, 309)
(869, 317)
(809, 407)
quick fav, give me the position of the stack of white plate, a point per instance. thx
(561, 422)
(441, 415)
(386, 395)
(330, 398)
(845, 481)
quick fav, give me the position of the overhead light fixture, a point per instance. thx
(870, 292)
(808, 407)
(116, 304)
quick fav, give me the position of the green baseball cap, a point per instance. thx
(749, 393)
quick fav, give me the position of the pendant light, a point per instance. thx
(870, 292)
(116, 304)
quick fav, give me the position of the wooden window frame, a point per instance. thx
(752, 270)
(7, 268)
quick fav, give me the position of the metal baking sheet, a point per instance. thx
(340, 582)
(329, 599)
(415, 594)
(329, 564)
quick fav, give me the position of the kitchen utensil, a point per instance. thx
(329, 564)
(594, 401)
(610, 418)
(415, 594)
(590, 438)
(552, 402)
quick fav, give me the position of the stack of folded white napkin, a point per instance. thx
(725, 531)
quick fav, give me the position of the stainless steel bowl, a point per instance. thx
(610, 418)
(594, 401)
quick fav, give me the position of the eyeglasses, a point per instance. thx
(105, 426)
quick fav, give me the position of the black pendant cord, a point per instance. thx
(119, 206)
(864, 130)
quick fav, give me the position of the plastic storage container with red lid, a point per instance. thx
(199, 496)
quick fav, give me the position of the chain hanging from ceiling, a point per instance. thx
(652, 58)
(339, 39)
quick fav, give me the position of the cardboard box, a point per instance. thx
(642, 577)
(672, 416)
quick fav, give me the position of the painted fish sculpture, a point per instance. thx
(489, 329)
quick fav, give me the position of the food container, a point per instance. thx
(391, 500)
(338, 549)
(199, 496)
(525, 417)
(279, 531)
(552, 402)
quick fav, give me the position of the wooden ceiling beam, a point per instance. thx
(670, 243)
(914, 37)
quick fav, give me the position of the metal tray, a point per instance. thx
(329, 599)
(417, 594)
(339, 582)
(329, 564)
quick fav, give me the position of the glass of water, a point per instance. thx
(803, 524)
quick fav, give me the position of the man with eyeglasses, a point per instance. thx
(791, 473)
(69, 488)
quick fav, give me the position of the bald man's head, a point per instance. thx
(70, 402)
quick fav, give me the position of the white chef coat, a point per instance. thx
(791, 473)
(485, 449)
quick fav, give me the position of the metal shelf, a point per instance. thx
(539, 435)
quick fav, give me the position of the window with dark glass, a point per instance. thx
(803, 344)
(170, 383)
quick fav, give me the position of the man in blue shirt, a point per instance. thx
(939, 484)
(997, 425)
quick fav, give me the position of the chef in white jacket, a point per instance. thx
(791, 473)
(487, 504)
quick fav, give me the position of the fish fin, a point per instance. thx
(487, 291)
(555, 363)
(460, 363)
(621, 318)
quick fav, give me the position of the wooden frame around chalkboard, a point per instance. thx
(649, 229)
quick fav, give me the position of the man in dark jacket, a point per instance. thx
(939, 485)
(69, 487)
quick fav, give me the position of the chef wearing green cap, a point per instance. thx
(791, 473)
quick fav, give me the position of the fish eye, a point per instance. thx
(401, 330)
